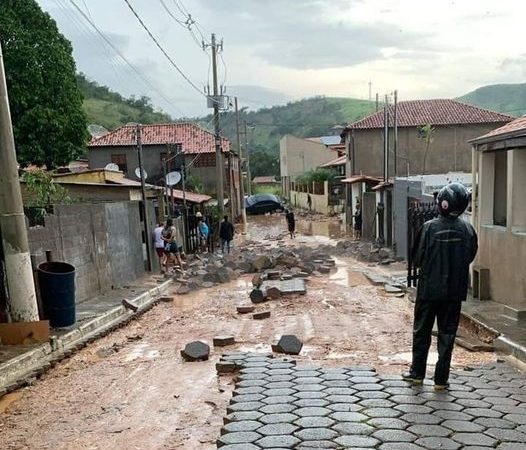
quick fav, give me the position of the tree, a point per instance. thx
(426, 134)
(49, 123)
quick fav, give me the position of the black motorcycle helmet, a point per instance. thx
(453, 199)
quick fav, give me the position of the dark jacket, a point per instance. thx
(226, 231)
(446, 247)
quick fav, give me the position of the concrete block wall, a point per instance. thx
(103, 242)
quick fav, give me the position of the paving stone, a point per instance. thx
(377, 403)
(474, 439)
(309, 387)
(248, 390)
(369, 387)
(519, 419)
(242, 415)
(280, 385)
(284, 441)
(252, 375)
(339, 391)
(307, 373)
(196, 351)
(415, 418)
(465, 394)
(226, 367)
(277, 428)
(419, 409)
(279, 392)
(509, 446)
(384, 423)
(345, 407)
(316, 434)
(483, 412)
(279, 399)
(278, 408)
(382, 412)
(452, 415)
(288, 344)
(245, 309)
(462, 426)
(223, 341)
(311, 394)
(243, 425)
(506, 435)
(400, 446)
(274, 371)
(273, 378)
(314, 422)
(248, 383)
(336, 383)
(342, 399)
(244, 446)
(261, 315)
(304, 402)
(269, 418)
(372, 394)
(308, 380)
(429, 430)
(244, 406)
(313, 411)
(353, 428)
(334, 376)
(313, 445)
(472, 403)
(490, 422)
(407, 399)
(241, 437)
(348, 417)
(441, 443)
(364, 380)
(357, 441)
(247, 398)
(400, 390)
(394, 436)
(448, 406)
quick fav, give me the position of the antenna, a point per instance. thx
(138, 173)
(112, 166)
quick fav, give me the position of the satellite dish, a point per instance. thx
(138, 173)
(173, 178)
(112, 166)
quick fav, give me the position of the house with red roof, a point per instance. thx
(432, 138)
(179, 143)
(499, 213)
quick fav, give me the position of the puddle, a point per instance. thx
(325, 228)
(142, 351)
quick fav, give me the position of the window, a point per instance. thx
(120, 160)
(500, 190)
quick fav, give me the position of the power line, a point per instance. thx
(118, 52)
(163, 51)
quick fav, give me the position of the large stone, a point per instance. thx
(260, 263)
(224, 275)
(223, 341)
(196, 351)
(288, 344)
(273, 292)
(257, 280)
(183, 290)
(257, 296)
(261, 315)
(211, 277)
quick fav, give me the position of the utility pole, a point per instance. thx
(386, 140)
(21, 297)
(395, 126)
(147, 235)
(240, 170)
(377, 102)
(219, 156)
(247, 155)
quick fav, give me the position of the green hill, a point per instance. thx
(505, 98)
(111, 110)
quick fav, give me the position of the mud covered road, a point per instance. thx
(130, 390)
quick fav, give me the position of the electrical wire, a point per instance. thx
(224, 67)
(144, 78)
(163, 51)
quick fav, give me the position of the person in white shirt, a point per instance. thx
(159, 246)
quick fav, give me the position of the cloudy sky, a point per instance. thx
(275, 50)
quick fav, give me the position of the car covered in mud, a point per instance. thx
(263, 203)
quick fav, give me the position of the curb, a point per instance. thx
(25, 368)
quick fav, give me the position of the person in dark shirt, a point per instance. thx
(358, 222)
(226, 234)
(291, 222)
(445, 248)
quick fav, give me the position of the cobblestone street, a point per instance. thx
(278, 404)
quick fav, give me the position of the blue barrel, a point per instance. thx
(57, 292)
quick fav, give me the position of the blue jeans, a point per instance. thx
(223, 243)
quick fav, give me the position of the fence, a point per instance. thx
(193, 240)
(417, 214)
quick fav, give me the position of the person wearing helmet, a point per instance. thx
(445, 248)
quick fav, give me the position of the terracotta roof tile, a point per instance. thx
(336, 162)
(193, 138)
(264, 179)
(514, 127)
(414, 113)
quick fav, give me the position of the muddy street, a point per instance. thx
(131, 390)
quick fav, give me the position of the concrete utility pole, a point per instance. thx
(147, 235)
(247, 154)
(395, 129)
(386, 139)
(21, 298)
(219, 156)
(240, 167)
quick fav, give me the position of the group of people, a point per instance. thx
(168, 246)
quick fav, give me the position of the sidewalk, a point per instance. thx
(95, 317)
(495, 316)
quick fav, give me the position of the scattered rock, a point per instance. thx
(207, 284)
(324, 269)
(286, 276)
(224, 275)
(245, 309)
(226, 367)
(260, 263)
(288, 344)
(273, 274)
(257, 296)
(273, 292)
(196, 351)
(223, 341)
(390, 289)
(129, 305)
(166, 299)
(257, 280)
(261, 315)
(183, 290)
(211, 277)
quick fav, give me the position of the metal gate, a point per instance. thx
(192, 233)
(417, 214)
